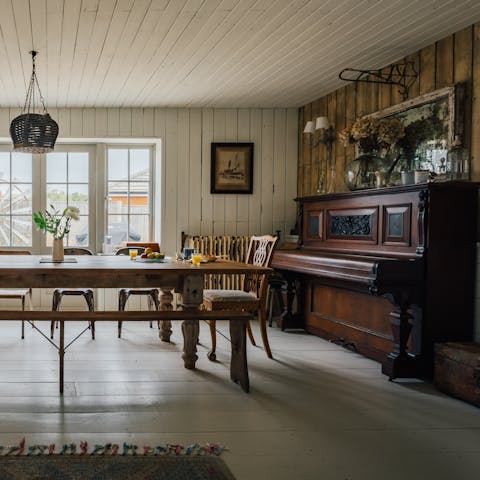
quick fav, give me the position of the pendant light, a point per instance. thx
(33, 132)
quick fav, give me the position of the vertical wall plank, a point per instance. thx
(316, 151)
(414, 90)
(170, 236)
(126, 122)
(279, 171)
(148, 122)
(184, 173)
(444, 62)
(194, 193)
(243, 135)
(350, 117)
(101, 123)
(328, 171)
(207, 197)
(301, 148)
(462, 72)
(254, 201)
(64, 124)
(266, 223)
(219, 119)
(307, 155)
(290, 169)
(76, 122)
(137, 122)
(88, 123)
(475, 137)
(113, 122)
(338, 157)
(231, 135)
(427, 69)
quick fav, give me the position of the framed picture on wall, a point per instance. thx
(232, 168)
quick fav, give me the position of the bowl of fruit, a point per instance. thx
(148, 256)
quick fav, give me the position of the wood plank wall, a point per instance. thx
(453, 59)
(185, 136)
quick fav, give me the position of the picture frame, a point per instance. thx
(232, 168)
(441, 109)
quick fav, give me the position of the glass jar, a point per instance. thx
(368, 170)
(457, 167)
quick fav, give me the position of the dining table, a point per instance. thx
(168, 275)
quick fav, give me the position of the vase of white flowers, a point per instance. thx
(57, 223)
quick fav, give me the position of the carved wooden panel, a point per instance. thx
(314, 225)
(353, 224)
(396, 225)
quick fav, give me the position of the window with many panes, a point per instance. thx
(73, 175)
(67, 184)
(129, 174)
(15, 199)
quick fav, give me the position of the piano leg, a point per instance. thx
(400, 363)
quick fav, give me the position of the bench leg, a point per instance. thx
(238, 362)
(211, 355)
(190, 330)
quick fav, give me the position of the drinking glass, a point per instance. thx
(133, 253)
(196, 259)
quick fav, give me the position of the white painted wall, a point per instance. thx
(186, 135)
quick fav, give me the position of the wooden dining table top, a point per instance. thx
(107, 271)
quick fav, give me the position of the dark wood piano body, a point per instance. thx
(360, 253)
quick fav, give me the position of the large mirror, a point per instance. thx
(433, 126)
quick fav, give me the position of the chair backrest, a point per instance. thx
(126, 250)
(259, 253)
(77, 251)
(15, 252)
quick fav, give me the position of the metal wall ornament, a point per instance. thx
(33, 132)
(402, 74)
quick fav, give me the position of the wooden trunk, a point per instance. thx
(457, 370)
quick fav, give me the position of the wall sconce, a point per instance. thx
(322, 132)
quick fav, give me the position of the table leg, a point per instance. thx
(61, 354)
(238, 361)
(190, 330)
(166, 298)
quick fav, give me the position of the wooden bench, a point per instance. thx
(237, 320)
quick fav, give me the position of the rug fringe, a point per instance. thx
(112, 449)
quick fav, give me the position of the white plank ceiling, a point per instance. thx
(204, 53)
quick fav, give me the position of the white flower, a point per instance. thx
(73, 213)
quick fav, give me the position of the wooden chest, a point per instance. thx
(457, 370)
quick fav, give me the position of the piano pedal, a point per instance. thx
(348, 345)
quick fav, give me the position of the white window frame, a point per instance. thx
(97, 149)
(151, 184)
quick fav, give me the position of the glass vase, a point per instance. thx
(368, 170)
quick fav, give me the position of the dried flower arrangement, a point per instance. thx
(373, 133)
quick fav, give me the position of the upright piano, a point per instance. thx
(388, 272)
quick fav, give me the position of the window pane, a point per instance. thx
(139, 197)
(78, 167)
(21, 167)
(21, 231)
(57, 196)
(22, 198)
(5, 230)
(117, 197)
(118, 229)
(139, 164)
(78, 197)
(4, 166)
(78, 232)
(117, 164)
(56, 167)
(4, 199)
(140, 227)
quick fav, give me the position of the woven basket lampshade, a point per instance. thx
(33, 132)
